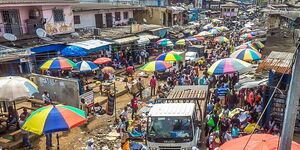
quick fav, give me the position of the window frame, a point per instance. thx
(78, 19)
(55, 15)
(127, 15)
(119, 17)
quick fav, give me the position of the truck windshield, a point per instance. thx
(170, 127)
(190, 54)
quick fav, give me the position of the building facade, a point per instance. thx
(131, 2)
(229, 10)
(23, 18)
(102, 15)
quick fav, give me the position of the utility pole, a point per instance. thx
(291, 106)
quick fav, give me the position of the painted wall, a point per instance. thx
(46, 12)
(87, 18)
(52, 27)
(227, 12)
(153, 15)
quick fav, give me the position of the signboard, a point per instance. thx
(89, 98)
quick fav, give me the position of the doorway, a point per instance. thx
(11, 20)
(109, 20)
(99, 20)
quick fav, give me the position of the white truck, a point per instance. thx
(194, 53)
(173, 126)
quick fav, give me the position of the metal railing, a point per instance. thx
(17, 30)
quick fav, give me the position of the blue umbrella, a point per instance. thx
(254, 33)
(73, 51)
(191, 38)
(86, 66)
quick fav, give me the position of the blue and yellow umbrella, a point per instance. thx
(58, 63)
(227, 66)
(169, 57)
(165, 42)
(156, 66)
(246, 55)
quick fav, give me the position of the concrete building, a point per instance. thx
(229, 10)
(100, 15)
(131, 2)
(23, 17)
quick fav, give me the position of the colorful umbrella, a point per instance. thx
(58, 63)
(245, 46)
(216, 20)
(108, 70)
(156, 66)
(227, 65)
(246, 55)
(208, 26)
(199, 37)
(15, 87)
(169, 57)
(258, 45)
(256, 142)
(192, 38)
(165, 42)
(102, 60)
(218, 28)
(204, 33)
(183, 42)
(86, 66)
(54, 118)
(214, 31)
(221, 39)
(224, 28)
(246, 36)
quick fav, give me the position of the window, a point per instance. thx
(125, 15)
(117, 16)
(58, 15)
(76, 19)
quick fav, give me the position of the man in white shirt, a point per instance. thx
(46, 97)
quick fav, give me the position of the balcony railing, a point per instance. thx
(28, 29)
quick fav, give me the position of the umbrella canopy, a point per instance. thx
(224, 28)
(218, 28)
(221, 39)
(73, 51)
(192, 38)
(143, 41)
(15, 87)
(204, 33)
(208, 26)
(216, 20)
(214, 31)
(246, 55)
(257, 142)
(86, 66)
(102, 60)
(169, 57)
(58, 63)
(199, 37)
(156, 66)
(108, 70)
(165, 42)
(227, 65)
(258, 44)
(183, 42)
(246, 36)
(245, 46)
(54, 118)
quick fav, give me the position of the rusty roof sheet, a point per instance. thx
(281, 62)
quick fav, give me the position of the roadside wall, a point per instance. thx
(64, 91)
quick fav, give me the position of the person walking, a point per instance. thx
(140, 86)
(25, 133)
(46, 97)
(134, 105)
(153, 85)
(48, 140)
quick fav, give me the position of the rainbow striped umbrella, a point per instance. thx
(54, 118)
(165, 42)
(183, 42)
(86, 66)
(245, 46)
(169, 57)
(221, 39)
(15, 87)
(199, 37)
(227, 65)
(258, 45)
(218, 28)
(204, 33)
(246, 36)
(246, 55)
(156, 66)
(208, 26)
(58, 63)
(214, 31)
(224, 28)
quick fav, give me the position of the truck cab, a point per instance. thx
(173, 126)
(194, 53)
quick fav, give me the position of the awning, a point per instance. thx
(92, 45)
(8, 53)
(127, 40)
(148, 36)
(53, 47)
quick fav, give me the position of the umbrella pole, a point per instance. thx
(57, 138)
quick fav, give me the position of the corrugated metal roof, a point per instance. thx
(189, 92)
(281, 62)
(148, 36)
(172, 109)
(102, 6)
(90, 44)
(126, 40)
(36, 1)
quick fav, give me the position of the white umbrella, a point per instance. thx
(15, 87)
